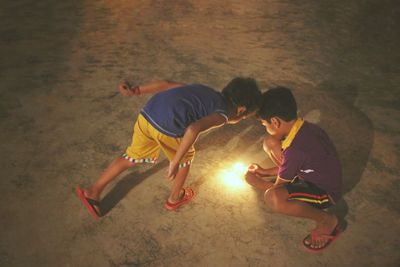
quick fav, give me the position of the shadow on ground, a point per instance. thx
(125, 184)
(248, 131)
(349, 128)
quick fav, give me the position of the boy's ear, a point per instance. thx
(241, 110)
(276, 122)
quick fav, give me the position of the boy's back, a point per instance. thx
(172, 111)
(311, 155)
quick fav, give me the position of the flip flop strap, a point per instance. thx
(93, 202)
(186, 193)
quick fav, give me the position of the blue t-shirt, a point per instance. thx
(312, 156)
(172, 111)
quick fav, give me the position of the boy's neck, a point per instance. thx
(231, 110)
(287, 127)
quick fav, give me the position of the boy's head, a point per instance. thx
(277, 107)
(243, 96)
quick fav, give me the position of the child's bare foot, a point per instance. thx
(325, 232)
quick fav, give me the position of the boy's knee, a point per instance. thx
(270, 143)
(250, 178)
(271, 199)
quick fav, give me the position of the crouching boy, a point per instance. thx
(308, 171)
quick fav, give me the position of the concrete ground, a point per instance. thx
(62, 123)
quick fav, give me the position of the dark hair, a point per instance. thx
(243, 92)
(278, 102)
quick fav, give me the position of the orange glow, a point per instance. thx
(234, 177)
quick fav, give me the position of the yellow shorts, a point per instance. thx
(147, 142)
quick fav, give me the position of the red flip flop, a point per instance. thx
(89, 203)
(187, 197)
(332, 237)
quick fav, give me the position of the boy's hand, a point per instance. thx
(259, 171)
(172, 171)
(126, 89)
(253, 168)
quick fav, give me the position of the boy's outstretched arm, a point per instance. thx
(127, 89)
(189, 138)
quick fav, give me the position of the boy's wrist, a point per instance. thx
(174, 162)
(136, 90)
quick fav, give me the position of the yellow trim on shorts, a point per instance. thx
(310, 200)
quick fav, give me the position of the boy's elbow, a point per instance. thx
(172, 84)
(193, 130)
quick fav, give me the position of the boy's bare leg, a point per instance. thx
(277, 199)
(113, 170)
(273, 147)
(258, 182)
(178, 183)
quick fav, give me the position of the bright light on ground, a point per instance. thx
(239, 167)
(234, 177)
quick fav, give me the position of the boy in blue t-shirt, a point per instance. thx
(309, 173)
(171, 121)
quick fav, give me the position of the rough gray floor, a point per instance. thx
(61, 124)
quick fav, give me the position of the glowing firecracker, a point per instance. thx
(234, 177)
